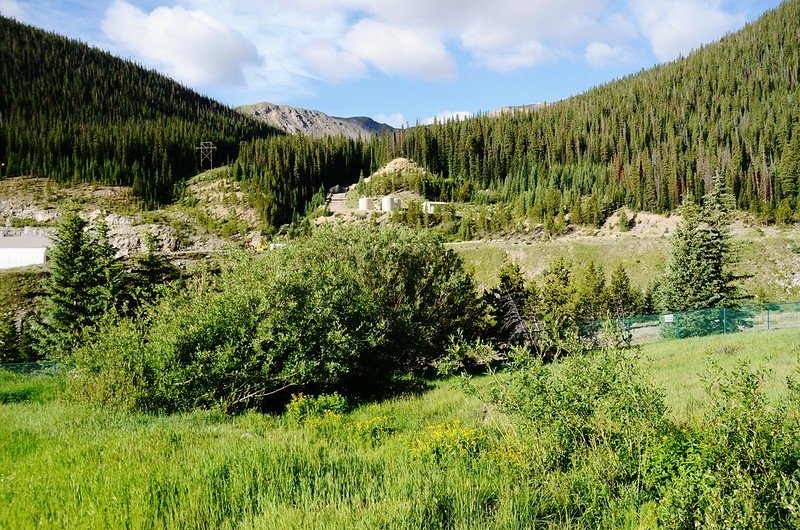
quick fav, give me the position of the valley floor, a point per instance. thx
(441, 459)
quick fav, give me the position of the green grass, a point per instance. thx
(684, 368)
(440, 459)
(769, 260)
(19, 286)
(642, 257)
(41, 387)
(67, 466)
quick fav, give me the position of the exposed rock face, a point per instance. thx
(313, 122)
(126, 233)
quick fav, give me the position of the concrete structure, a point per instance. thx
(390, 204)
(365, 204)
(23, 251)
(431, 207)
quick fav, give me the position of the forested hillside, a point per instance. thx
(76, 114)
(731, 107)
(646, 140)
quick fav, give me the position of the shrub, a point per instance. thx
(302, 407)
(740, 470)
(346, 310)
(584, 425)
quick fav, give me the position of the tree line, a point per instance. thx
(645, 141)
(76, 114)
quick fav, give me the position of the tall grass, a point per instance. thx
(683, 368)
(67, 466)
(767, 260)
(445, 458)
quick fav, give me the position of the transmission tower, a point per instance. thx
(206, 153)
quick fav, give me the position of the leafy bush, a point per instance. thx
(741, 469)
(593, 433)
(584, 425)
(347, 310)
(302, 407)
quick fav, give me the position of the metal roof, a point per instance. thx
(25, 242)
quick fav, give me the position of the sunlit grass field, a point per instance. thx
(768, 261)
(443, 458)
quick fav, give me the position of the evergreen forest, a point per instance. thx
(77, 114)
(731, 108)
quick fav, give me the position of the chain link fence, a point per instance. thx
(653, 328)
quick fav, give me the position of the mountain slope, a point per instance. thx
(313, 122)
(646, 140)
(75, 113)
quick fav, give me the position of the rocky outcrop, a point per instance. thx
(314, 123)
(128, 234)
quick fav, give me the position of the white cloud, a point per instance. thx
(331, 63)
(676, 27)
(412, 37)
(600, 55)
(447, 115)
(526, 55)
(12, 9)
(190, 45)
(279, 50)
(396, 120)
(400, 51)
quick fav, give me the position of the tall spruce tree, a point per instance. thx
(80, 286)
(623, 300)
(701, 272)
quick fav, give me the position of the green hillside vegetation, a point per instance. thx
(77, 114)
(647, 140)
(445, 458)
(768, 260)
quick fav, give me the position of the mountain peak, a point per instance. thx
(313, 123)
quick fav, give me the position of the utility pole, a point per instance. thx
(206, 153)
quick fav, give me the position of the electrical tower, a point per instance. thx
(207, 153)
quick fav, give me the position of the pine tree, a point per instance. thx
(789, 167)
(591, 295)
(700, 271)
(622, 299)
(151, 271)
(78, 287)
(555, 310)
(507, 305)
(9, 340)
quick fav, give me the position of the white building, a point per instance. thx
(23, 251)
(431, 207)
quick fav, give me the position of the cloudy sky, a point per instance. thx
(399, 61)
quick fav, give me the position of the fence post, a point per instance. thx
(767, 318)
(724, 319)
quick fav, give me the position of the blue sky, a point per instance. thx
(398, 61)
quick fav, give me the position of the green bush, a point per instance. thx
(741, 469)
(346, 310)
(303, 407)
(585, 424)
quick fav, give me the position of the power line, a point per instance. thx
(206, 153)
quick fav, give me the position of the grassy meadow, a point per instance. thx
(442, 458)
(769, 257)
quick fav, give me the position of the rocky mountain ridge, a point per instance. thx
(315, 123)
